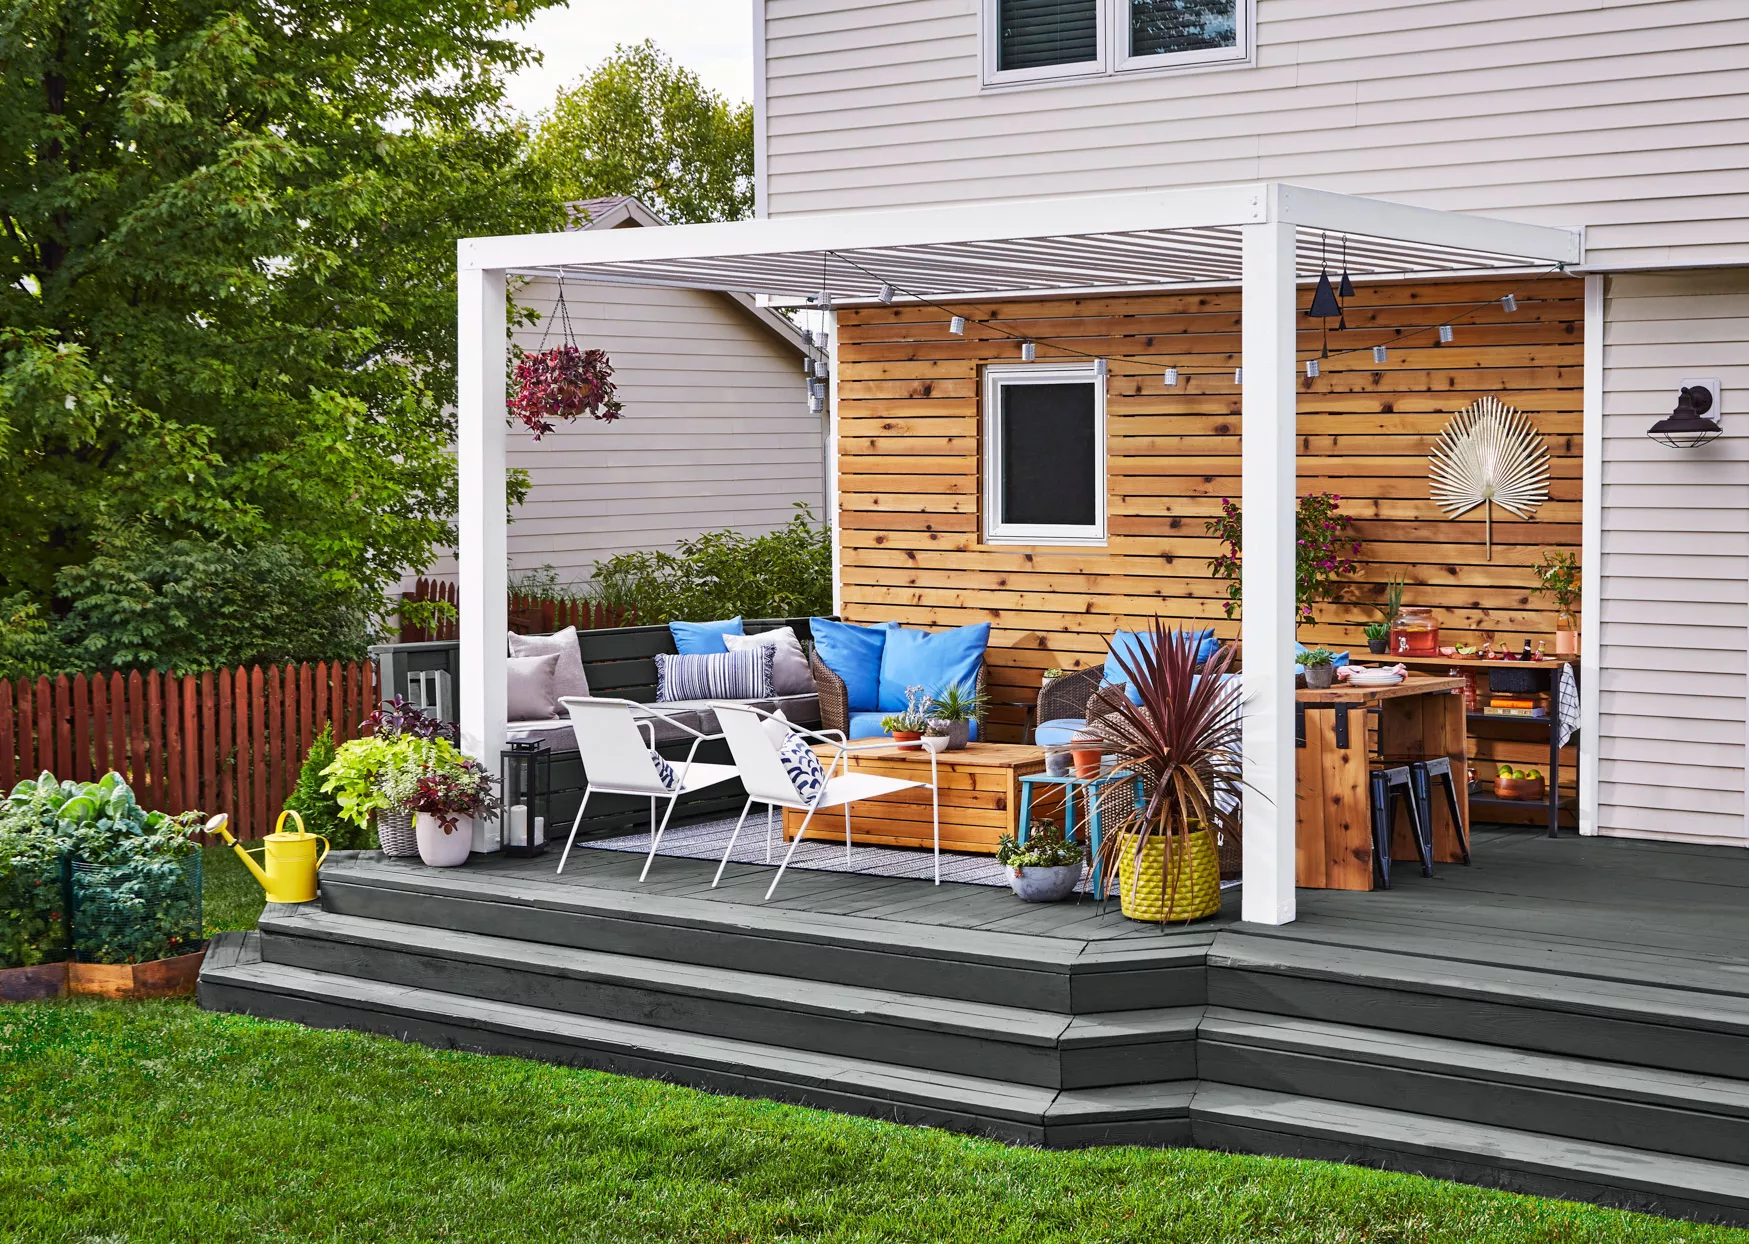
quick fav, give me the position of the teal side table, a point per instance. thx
(1090, 790)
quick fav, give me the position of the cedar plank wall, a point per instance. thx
(910, 465)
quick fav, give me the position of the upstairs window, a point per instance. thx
(1044, 455)
(1034, 40)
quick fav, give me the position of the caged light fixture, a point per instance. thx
(1171, 377)
(887, 293)
(1510, 302)
(1028, 351)
(1445, 334)
(1689, 426)
(1101, 370)
(1238, 375)
(824, 301)
(957, 326)
(1311, 369)
(1380, 354)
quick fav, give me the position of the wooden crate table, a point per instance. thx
(1419, 718)
(980, 798)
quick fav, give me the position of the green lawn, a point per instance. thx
(230, 897)
(158, 1121)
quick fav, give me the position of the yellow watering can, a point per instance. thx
(290, 876)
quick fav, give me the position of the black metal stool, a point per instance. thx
(1387, 787)
(1422, 773)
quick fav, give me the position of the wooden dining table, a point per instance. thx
(1342, 734)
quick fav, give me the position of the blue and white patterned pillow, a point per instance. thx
(664, 770)
(743, 675)
(802, 766)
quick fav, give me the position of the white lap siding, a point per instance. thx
(1675, 562)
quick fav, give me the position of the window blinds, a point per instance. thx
(1036, 33)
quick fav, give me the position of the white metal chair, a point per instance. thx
(616, 761)
(768, 782)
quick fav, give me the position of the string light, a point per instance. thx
(1445, 334)
(1171, 377)
(1028, 351)
(1510, 302)
(886, 294)
(815, 405)
(808, 367)
(1380, 354)
(1100, 370)
(957, 326)
(1238, 375)
(825, 300)
(1311, 369)
(807, 336)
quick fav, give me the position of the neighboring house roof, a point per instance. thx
(623, 211)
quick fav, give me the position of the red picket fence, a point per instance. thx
(529, 615)
(224, 741)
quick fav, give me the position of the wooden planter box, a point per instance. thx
(40, 980)
(166, 978)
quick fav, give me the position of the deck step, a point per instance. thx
(1671, 1112)
(1251, 1120)
(1518, 1008)
(1005, 969)
(239, 979)
(1041, 1048)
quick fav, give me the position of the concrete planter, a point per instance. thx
(1045, 885)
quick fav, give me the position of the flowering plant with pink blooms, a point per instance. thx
(563, 383)
(1325, 551)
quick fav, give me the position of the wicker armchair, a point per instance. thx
(835, 699)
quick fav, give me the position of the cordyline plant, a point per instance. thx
(1324, 550)
(563, 383)
(1183, 741)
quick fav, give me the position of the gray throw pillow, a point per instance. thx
(569, 678)
(790, 674)
(529, 687)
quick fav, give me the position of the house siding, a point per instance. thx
(1675, 563)
(1562, 112)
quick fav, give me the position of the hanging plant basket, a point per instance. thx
(563, 382)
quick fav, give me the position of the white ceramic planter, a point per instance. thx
(1045, 885)
(441, 850)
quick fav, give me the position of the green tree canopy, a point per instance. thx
(227, 314)
(639, 124)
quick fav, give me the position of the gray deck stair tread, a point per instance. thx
(918, 1087)
(1516, 986)
(1013, 1024)
(1690, 1091)
(1656, 1174)
(1123, 1027)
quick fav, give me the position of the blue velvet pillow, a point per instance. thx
(1133, 645)
(697, 639)
(931, 660)
(854, 654)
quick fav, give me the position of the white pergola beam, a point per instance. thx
(1268, 480)
(1375, 218)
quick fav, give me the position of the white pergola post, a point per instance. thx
(482, 522)
(1267, 568)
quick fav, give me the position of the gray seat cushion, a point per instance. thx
(803, 710)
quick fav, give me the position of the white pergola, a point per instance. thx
(1263, 237)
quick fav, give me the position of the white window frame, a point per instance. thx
(998, 377)
(1113, 58)
(1238, 54)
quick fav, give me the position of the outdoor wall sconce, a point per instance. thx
(1689, 425)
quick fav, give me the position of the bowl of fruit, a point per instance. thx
(1525, 784)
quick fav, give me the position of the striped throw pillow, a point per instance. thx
(743, 675)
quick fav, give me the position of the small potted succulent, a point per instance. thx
(1378, 636)
(907, 727)
(937, 737)
(1047, 869)
(1320, 668)
(956, 708)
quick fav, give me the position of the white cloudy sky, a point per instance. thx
(713, 38)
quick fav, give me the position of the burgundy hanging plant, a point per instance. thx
(563, 382)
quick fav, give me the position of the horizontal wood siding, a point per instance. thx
(1675, 564)
(1566, 112)
(716, 432)
(910, 468)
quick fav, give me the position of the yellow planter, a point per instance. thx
(1195, 887)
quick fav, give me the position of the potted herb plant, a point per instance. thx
(1183, 742)
(1320, 668)
(907, 727)
(1378, 635)
(1047, 869)
(446, 791)
(956, 708)
(1558, 573)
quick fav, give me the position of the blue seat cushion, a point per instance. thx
(1059, 732)
(693, 639)
(868, 726)
(854, 654)
(1134, 645)
(933, 660)
(1339, 659)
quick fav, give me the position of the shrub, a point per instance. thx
(32, 916)
(1325, 551)
(319, 809)
(782, 574)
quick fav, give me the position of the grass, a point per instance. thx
(158, 1121)
(230, 897)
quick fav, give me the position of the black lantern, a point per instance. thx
(1688, 426)
(528, 785)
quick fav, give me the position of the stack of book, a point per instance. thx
(1516, 706)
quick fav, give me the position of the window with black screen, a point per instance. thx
(1046, 454)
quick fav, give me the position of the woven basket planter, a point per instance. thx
(1195, 888)
(395, 833)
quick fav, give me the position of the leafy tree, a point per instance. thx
(227, 313)
(639, 124)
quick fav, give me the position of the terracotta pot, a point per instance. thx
(908, 740)
(164, 978)
(1086, 760)
(439, 849)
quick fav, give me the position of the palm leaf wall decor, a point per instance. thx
(1488, 455)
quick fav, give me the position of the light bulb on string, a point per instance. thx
(815, 405)
(1238, 375)
(808, 367)
(1171, 377)
(1445, 334)
(1028, 351)
(825, 300)
(1101, 370)
(1311, 369)
(1510, 302)
(957, 326)
(1380, 354)
(887, 293)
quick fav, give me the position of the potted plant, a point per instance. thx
(446, 791)
(1320, 668)
(355, 777)
(563, 382)
(1086, 753)
(907, 727)
(936, 737)
(956, 708)
(1047, 869)
(1378, 634)
(1183, 742)
(1558, 573)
